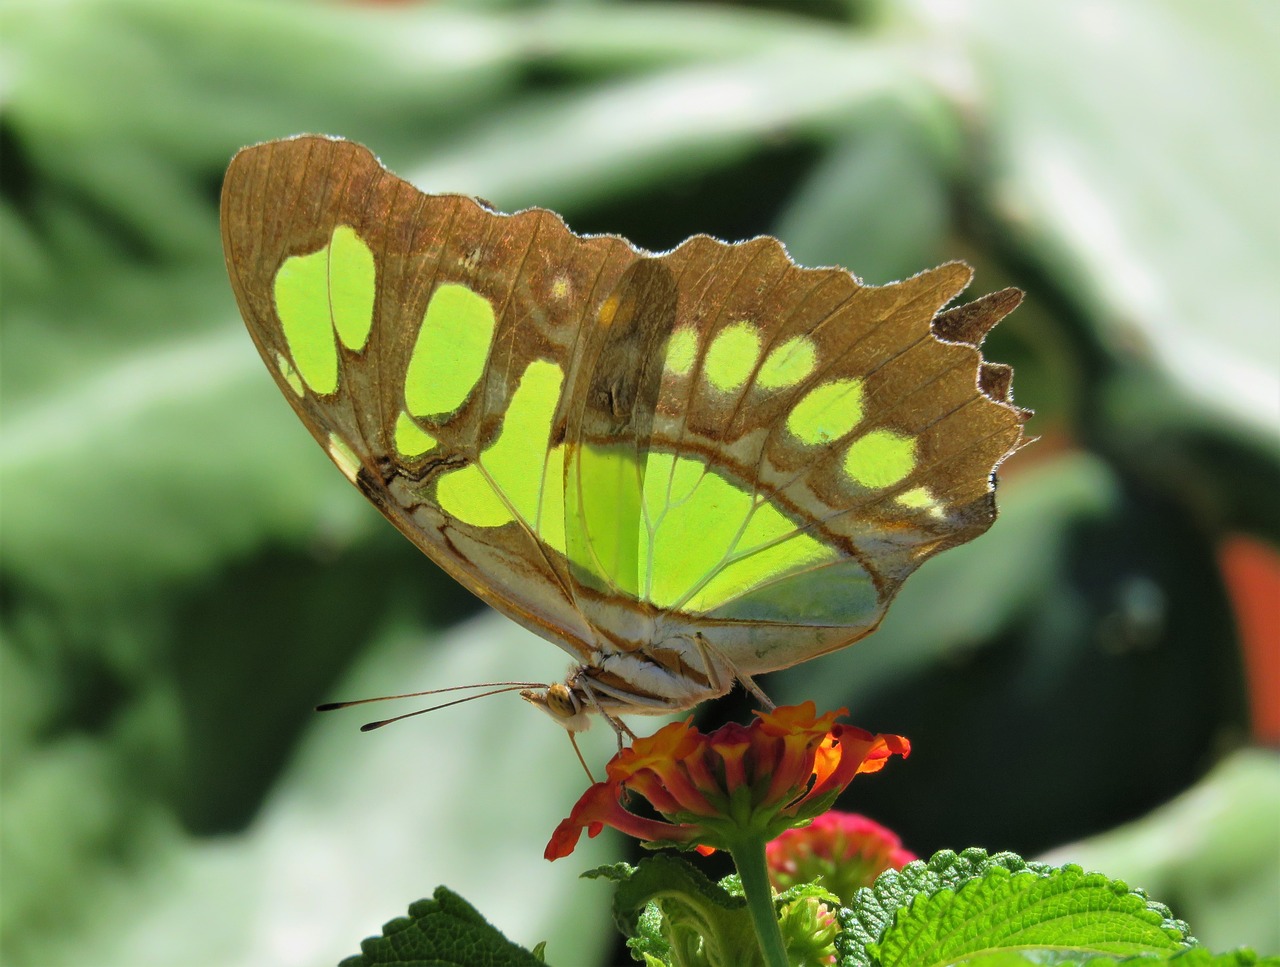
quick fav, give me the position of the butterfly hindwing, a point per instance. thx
(814, 442)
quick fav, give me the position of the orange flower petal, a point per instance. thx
(789, 760)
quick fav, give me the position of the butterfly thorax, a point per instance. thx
(668, 676)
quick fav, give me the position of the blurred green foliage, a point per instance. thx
(184, 574)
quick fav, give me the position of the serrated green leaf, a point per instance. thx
(664, 874)
(617, 872)
(873, 909)
(1195, 957)
(1211, 852)
(1084, 913)
(960, 905)
(443, 931)
(807, 891)
(648, 941)
(669, 910)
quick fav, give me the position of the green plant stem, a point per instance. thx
(748, 857)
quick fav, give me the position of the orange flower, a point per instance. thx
(738, 782)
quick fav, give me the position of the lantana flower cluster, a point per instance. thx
(712, 790)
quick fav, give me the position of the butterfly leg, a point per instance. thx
(708, 652)
(620, 728)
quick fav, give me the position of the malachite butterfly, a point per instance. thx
(683, 469)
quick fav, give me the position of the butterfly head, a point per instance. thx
(563, 703)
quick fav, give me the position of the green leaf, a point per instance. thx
(957, 906)
(85, 847)
(671, 912)
(1075, 910)
(1195, 957)
(1199, 957)
(807, 891)
(444, 930)
(878, 202)
(648, 940)
(874, 908)
(1211, 852)
(617, 872)
(613, 39)
(1178, 254)
(582, 148)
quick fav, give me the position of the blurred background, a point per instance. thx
(185, 574)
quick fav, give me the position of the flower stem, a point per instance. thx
(748, 857)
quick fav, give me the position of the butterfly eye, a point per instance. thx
(561, 701)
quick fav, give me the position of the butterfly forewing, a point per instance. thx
(448, 413)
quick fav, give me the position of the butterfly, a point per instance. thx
(684, 469)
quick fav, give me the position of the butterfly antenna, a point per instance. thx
(506, 687)
(500, 686)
